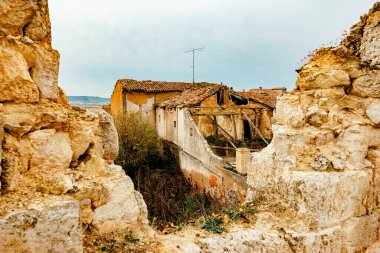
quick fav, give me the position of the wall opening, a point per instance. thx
(247, 130)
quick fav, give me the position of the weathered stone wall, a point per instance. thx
(197, 161)
(320, 174)
(57, 174)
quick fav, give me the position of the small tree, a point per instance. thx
(138, 141)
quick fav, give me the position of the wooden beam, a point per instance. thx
(223, 130)
(234, 107)
(254, 127)
(225, 133)
(218, 114)
(234, 125)
(215, 127)
(229, 148)
(225, 148)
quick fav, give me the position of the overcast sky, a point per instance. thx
(248, 43)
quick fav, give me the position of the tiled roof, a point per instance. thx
(190, 97)
(265, 96)
(158, 86)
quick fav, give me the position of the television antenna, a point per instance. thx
(193, 67)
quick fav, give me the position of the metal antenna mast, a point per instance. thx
(193, 50)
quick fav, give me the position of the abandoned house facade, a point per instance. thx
(217, 109)
(190, 115)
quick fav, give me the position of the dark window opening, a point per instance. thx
(219, 98)
(247, 130)
(238, 101)
(175, 123)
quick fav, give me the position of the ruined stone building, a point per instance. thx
(215, 107)
(131, 95)
(318, 179)
(186, 113)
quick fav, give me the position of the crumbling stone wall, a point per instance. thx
(57, 174)
(320, 174)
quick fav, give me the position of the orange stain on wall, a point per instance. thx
(222, 193)
(213, 181)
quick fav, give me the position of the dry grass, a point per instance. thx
(138, 141)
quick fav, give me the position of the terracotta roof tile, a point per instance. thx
(264, 96)
(190, 97)
(158, 86)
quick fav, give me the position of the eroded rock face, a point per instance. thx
(43, 227)
(56, 171)
(320, 174)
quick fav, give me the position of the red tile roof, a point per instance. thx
(158, 86)
(265, 96)
(191, 97)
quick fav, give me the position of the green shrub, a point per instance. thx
(241, 144)
(211, 139)
(233, 214)
(250, 208)
(213, 225)
(138, 141)
(189, 203)
(130, 238)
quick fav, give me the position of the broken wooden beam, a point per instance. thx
(255, 128)
(218, 114)
(224, 132)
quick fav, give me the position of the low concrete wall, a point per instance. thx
(192, 141)
(218, 182)
(197, 161)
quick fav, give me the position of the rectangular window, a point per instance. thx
(175, 123)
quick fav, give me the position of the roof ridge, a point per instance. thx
(161, 86)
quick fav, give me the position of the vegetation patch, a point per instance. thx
(172, 201)
(139, 143)
(117, 241)
(232, 169)
(129, 238)
(213, 225)
(153, 165)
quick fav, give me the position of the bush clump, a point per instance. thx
(153, 165)
(138, 141)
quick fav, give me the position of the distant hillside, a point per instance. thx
(75, 100)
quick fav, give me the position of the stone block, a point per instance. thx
(373, 112)
(245, 241)
(360, 232)
(43, 228)
(242, 159)
(325, 199)
(124, 208)
(367, 86)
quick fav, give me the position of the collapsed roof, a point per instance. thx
(192, 94)
(191, 97)
(264, 96)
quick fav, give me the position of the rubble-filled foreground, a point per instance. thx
(319, 176)
(57, 173)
